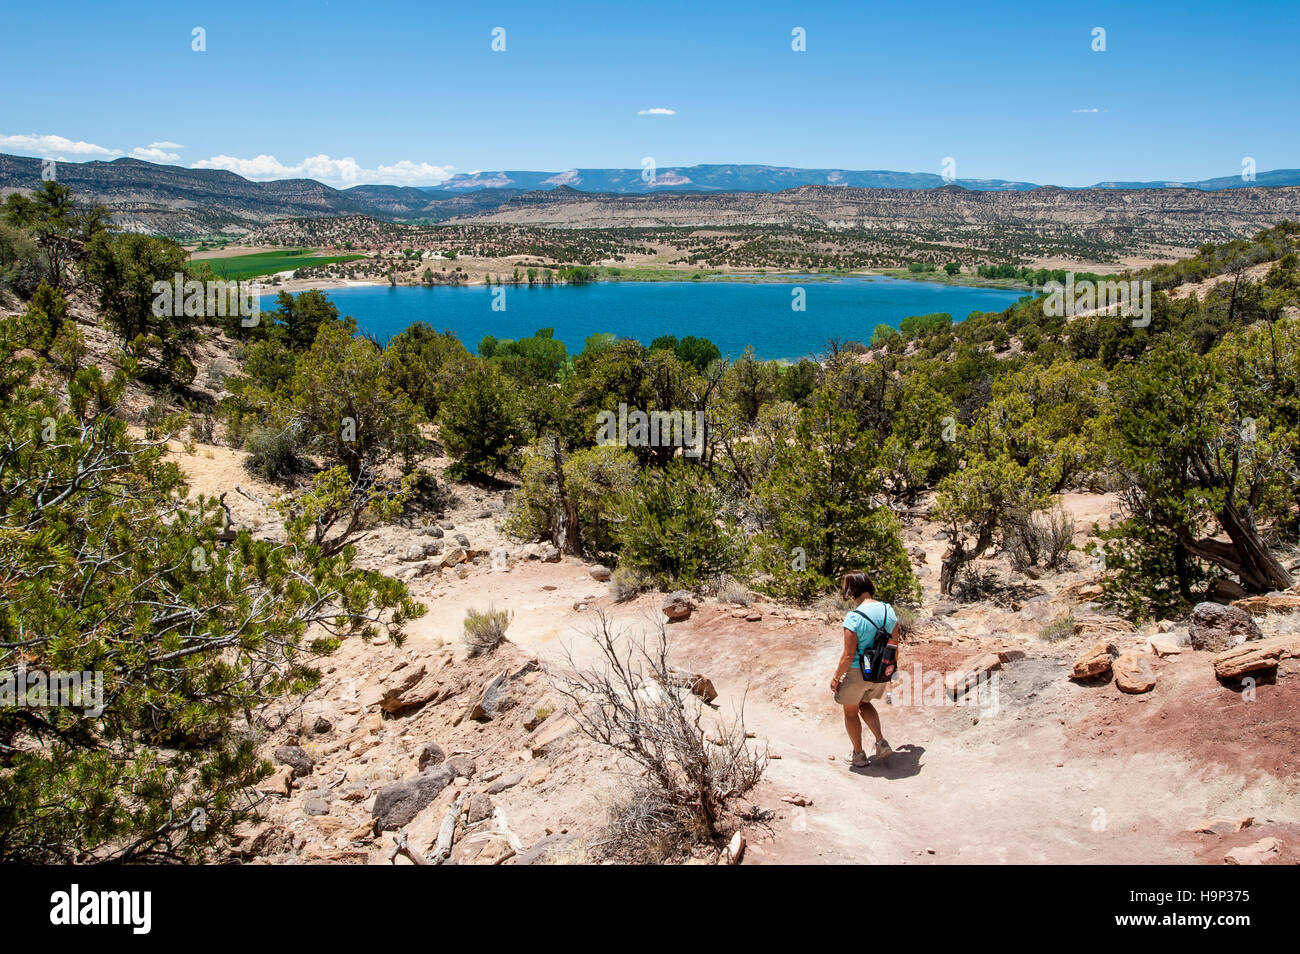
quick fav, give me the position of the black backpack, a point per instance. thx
(879, 660)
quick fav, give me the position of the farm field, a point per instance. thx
(252, 265)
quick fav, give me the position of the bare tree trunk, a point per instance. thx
(1247, 555)
(568, 533)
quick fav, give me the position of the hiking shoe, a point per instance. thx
(883, 751)
(856, 759)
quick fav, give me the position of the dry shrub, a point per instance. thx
(626, 582)
(731, 590)
(1058, 629)
(485, 630)
(1040, 538)
(693, 761)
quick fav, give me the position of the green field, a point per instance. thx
(237, 267)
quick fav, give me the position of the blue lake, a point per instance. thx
(732, 314)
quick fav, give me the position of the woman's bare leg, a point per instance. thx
(872, 718)
(854, 727)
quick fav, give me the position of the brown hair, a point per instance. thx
(853, 585)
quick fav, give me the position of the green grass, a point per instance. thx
(237, 267)
(943, 278)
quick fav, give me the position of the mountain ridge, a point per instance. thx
(178, 201)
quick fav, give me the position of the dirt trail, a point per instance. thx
(1056, 773)
(1047, 775)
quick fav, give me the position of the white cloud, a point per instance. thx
(155, 153)
(657, 111)
(336, 172)
(165, 145)
(1092, 110)
(52, 147)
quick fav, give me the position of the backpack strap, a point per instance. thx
(862, 653)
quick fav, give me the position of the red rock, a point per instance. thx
(1133, 673)
(1223, 826)
(1095, 662)
(970, 672)
(1260, 853)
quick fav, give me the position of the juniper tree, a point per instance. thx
(108, 567)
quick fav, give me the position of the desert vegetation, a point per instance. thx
(794, 475)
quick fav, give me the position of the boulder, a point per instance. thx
(296, 758)
(600, 572)
(1217, 628)
(462, 766)
(397, 804)
(557, 726)
(410, 688)
(549, 554)
(431, 755)
(1223, 590)
(678, 606)
(1096, 661)
(492, 701)
(280, 783)
(479, 808)
(322, 725)
(1134, 673)
(1259, 853)
(970, 673)
(462, 541)
(454, 556)
(698, 685)
(503, 783)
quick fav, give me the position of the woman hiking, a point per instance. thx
(862, 624)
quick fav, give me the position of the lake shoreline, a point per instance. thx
(297, 285)
(779, 317)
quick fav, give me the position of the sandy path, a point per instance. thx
(1018, 783)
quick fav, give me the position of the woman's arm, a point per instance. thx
(846, 660)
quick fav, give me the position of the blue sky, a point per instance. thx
(409, 92)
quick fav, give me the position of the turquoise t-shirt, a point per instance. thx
(881, 615)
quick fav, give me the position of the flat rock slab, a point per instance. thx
(1223, 826)
(1259, 656)
(557, 726)
(1165, 646)
(1260, 853)
(1269, 603)
(970, 673)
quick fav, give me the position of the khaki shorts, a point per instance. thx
(854, 690)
